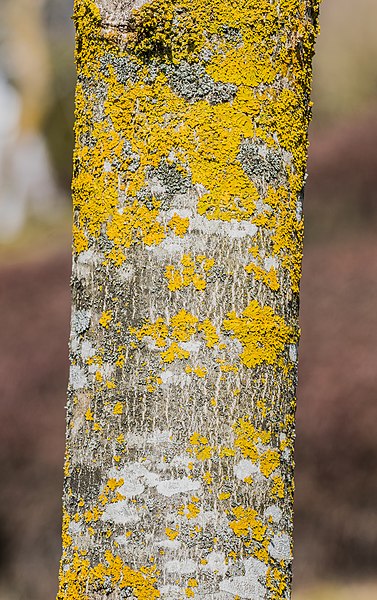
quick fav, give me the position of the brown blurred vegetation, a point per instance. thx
(336, 449)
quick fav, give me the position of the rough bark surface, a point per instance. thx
(189, 166)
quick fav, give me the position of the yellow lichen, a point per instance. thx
(171, 533)
(200, 371)
(268, 277)
(223, 496)
(191, 271)
(118, 408)
(183, 324)
(179, 224)
(79, 576)
(262, 333)
(247, 438)
(210, 333)
(268, 462)
(174, 352)
(106, 318)
(246, 523)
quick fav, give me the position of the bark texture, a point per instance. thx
(189, 166)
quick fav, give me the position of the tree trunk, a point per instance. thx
(189, 166)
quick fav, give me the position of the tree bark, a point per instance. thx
(189, 167)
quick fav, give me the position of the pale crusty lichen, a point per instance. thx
(189, 164)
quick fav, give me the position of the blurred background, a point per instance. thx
(336, 451)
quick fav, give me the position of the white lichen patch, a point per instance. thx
(77, 377)
(170, 487)
(168, 544)
(249, 585)
(166, 375)
(168, 248)
(87, 350)
(75, 527)
(245, 468)
(134, 475)
(232, 229)
(270, 262)
(246, 586)
(279, 547)
(274, 512)
(171, 592)
(179, 379)
(86, 262)
(160, 437)
(131, 489)
(293, 353)
(123, 540)
(216, 563)
(120, 513)
(181, 567)
(181, 460)
(192, 346)
(80, 321)
(125, 273)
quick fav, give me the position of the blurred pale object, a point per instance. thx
(26, 180)
(345, 74)
(27, 185)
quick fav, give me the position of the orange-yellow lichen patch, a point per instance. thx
(269, 461)
(157, 331)
(192, 583)
(171, 533)
(184, 325)
(135, 222)
(174, 352)
(92, 514)
(276, 581)
(226, 367)
(79, 240)
(278, 488)
(269, 278)
(223, 495)
(89, 415)
(210, 333)
(151, 382)
(118, 408)
(80, 577)
(106, 318)
(200, 371)
(179, 224)
(246, 523)
(113, 483)
(66, 538)
(207, 478)
(191, 271)
(201, 447)
(262, 333)
(225, 451)
(181, 328)
(247, 438)
(192, 510)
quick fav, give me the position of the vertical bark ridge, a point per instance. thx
(189, 167)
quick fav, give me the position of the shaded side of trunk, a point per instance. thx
(189, 166)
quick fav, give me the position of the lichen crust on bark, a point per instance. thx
(189, 167)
